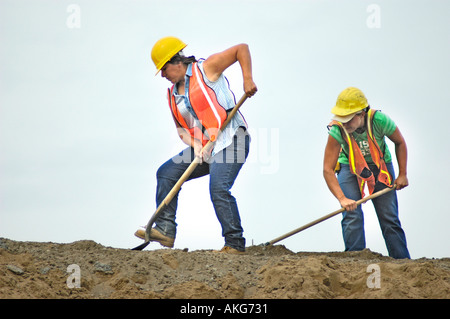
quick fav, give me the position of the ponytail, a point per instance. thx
(180, 58)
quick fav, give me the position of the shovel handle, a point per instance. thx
(359, 202)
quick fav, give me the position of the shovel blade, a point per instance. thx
(141, 246)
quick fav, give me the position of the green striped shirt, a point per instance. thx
(383, 126)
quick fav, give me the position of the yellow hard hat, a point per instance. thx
(164, 49)
(349, 101)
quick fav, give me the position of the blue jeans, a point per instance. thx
(223, 168)
(386, 208)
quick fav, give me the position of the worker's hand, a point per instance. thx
(348, 204)
(206, 154)
(401, 181)
(203, 154)
(250, 87)
(198, 150)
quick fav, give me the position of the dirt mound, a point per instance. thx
(31, 270)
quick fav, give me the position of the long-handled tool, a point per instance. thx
(315, 222)
(185, 176)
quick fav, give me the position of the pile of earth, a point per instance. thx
(87, 270)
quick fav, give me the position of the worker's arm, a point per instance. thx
(217, 63)
(331, 155)
(401, 153)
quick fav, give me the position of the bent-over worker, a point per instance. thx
(199, 100)
(356, 149)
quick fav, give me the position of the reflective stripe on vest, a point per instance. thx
(357, 162)
(206, 107)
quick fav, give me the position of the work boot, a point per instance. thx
(155, 235)
(229, 250)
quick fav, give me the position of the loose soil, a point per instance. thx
(36, 270)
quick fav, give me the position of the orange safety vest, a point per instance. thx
(358, 164)
(206, 107)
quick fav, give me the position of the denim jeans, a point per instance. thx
(386, 207)
(223, 168)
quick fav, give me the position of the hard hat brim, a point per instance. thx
(345, 118)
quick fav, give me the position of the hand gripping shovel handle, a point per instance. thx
(359, 202)
(185, 176)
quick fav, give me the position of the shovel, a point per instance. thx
(315, 222)
(185, 176)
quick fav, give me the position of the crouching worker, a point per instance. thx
(199, 100)
(356, 149)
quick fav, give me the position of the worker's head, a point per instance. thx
(350, 103)
(165, 49)
(356, 123)
(169, 61)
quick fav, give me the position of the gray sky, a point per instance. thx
(85, 123)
